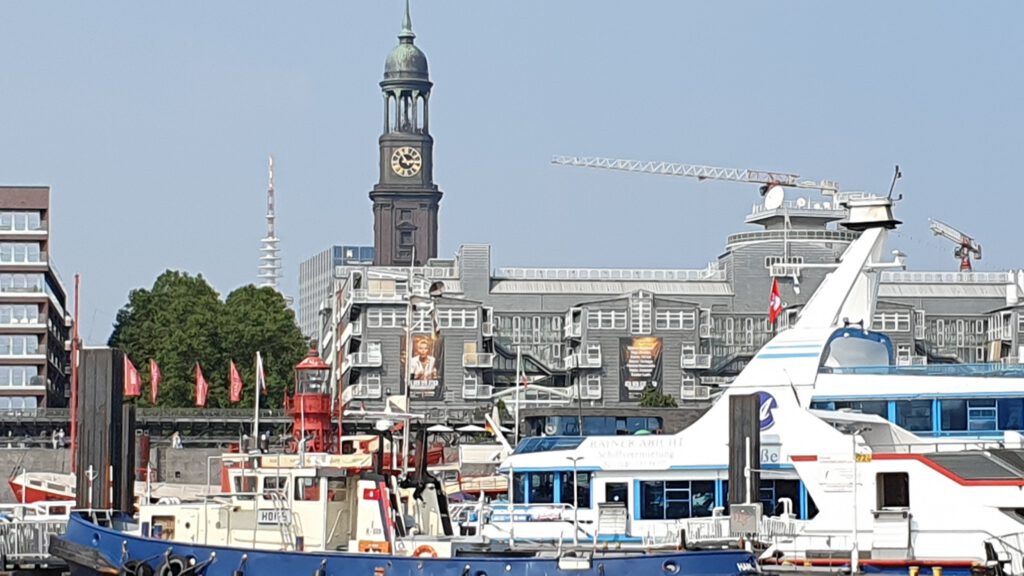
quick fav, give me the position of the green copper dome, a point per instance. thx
(406, 60)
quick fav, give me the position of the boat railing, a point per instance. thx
(942, 446)
(26, 541)
(35, 510)
(1012, 548)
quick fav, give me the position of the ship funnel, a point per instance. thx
(870, 212)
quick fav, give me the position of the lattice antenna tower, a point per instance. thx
(270, 260)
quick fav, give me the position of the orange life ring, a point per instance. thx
(424, 549)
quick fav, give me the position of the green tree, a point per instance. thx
(181, 320)
(258, 319)
(653, 398)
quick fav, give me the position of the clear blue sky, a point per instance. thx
(152, 123)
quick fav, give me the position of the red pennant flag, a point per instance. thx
(132, 380)
(774, 302)
(154, 380)
(236, 383)
(202, 388)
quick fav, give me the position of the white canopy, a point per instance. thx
(440, 428)
(471, 428)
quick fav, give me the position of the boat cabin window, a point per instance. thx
(274, 485)
(337, 489)
(245, 486)
(541, 487)
(914, 415)
(616, 492)
(982, 414)
(893, 490)
(533, 488)
(582, 489)
(661, 500)
(307, 488)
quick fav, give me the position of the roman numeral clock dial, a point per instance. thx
(406, 161)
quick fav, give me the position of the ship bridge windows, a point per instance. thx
(914, 415)
(552, 487)
(307, 488)
(274, 485)
(546, 444)
(982, 415)
(244, 486)
(674, 499)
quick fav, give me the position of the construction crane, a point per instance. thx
(966, 246)
(767, 179)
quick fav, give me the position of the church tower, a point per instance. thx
(405, 198)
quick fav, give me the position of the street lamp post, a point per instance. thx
(575, 500)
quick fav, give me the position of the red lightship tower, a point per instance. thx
(310, 406)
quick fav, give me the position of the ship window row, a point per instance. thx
(20, 221)
(670, 500)
(592, 425)
(942, 416)
(17, 376)
(20, 252)
(19, 345)
(555, 487)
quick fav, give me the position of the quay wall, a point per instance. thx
(184, 466)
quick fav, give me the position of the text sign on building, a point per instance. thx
(639, 365)
(274, 517)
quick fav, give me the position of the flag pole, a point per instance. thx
(519, 381)
(256, 402)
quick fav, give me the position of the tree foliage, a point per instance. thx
(654, 398)
(181, 320)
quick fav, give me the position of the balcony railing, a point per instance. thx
(367, 391)
(573, 330)
(911, 360)
(478, 360)
(701, 361)
(474, 391)
(365, 295)
(366, 359)
(695, 392)
(590, 391)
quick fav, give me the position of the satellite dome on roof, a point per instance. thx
(406, 61)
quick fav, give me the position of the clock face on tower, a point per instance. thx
(406, 161)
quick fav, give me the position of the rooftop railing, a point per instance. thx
(712, 272)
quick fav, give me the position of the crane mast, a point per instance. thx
(966, 246)
(763, 177)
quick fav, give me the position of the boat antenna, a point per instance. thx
(896, 176)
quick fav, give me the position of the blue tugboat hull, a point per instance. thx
(92, 550)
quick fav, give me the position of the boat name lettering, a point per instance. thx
(274, 517)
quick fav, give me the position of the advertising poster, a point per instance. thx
(426, 366)
(639, 365)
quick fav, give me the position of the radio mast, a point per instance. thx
(270, 261)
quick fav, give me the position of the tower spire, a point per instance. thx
(407, 33)
(270, 261)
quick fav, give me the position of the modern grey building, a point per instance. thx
(34, 321)
(316, 281)
(601, 336)
(592, 338)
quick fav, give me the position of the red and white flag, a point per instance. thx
(774, 303)
(202, 388)
(132, 380)
(154, 380)
(236, 383)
